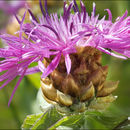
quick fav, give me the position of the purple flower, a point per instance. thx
(19, 54)
(105, 35)
(53, 36)
(11, 7)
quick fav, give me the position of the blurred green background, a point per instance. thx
(24, 102)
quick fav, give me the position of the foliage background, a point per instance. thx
(24, 101)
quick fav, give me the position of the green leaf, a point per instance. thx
(64, 128)
(92, 123)
(91, 119)
(30, 120)
(51, 117)
(124, 125)
(72, 121)
(106, 118)
(111, 121)
(41, 121)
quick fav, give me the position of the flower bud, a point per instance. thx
(84, 88)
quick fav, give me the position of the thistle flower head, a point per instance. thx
(60, 41)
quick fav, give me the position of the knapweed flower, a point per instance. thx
(68, 50)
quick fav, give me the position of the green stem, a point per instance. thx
(13, 109)
(124, 122)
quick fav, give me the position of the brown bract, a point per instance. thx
(86, 80)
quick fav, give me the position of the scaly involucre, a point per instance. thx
(52, 36)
